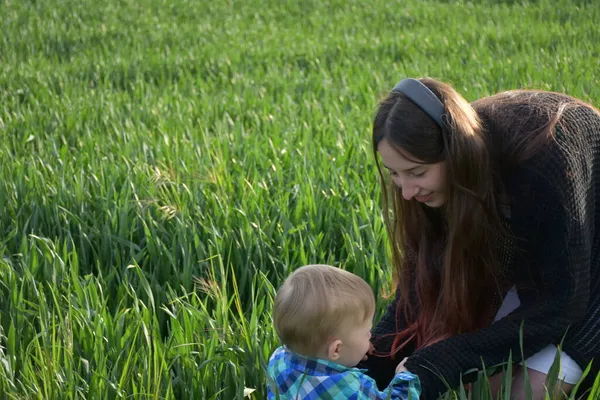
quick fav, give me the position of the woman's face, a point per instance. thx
(425, 183)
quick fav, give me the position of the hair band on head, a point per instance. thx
(423, 97)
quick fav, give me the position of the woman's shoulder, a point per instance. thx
(562, 171)
(529, 127)
(521, 99)
(573, 141)
(526, 110)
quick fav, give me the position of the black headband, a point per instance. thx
(424, 98)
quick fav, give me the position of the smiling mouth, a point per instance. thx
(423, 199)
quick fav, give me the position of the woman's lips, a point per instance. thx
(424, 199)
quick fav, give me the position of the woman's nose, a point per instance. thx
(408, 192)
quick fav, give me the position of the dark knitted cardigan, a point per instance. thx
(554, 263)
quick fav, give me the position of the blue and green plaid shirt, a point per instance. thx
(292, 376)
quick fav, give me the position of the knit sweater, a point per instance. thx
(554, 264)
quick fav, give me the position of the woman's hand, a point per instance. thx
(400, 367)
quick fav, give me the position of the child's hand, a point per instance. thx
(369, 352)
(400, 367)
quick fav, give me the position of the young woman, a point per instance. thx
(493, 210)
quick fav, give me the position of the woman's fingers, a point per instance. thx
(401, 367)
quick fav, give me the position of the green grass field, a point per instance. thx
(165, 164)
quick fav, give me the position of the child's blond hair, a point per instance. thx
(316, 302)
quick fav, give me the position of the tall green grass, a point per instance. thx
(166, 164)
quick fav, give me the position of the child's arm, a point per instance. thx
(404, 386)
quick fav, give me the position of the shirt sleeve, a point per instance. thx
(403, 386)
(554, 229)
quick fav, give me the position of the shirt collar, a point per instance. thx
(315, 366)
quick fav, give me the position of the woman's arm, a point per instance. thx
(553, 213)
(381, 365)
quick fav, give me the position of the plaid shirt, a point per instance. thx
(296, 377)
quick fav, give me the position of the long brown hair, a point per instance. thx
(446, 260)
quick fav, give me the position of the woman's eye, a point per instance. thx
(393, 173)
(419, 174)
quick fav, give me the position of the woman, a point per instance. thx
(495, 230)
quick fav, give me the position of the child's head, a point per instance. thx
(325, 312)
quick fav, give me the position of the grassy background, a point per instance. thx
(166, 163)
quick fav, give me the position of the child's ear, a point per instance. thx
(334, 350)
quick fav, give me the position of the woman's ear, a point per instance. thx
(334, 350)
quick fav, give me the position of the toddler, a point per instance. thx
(323, 316)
